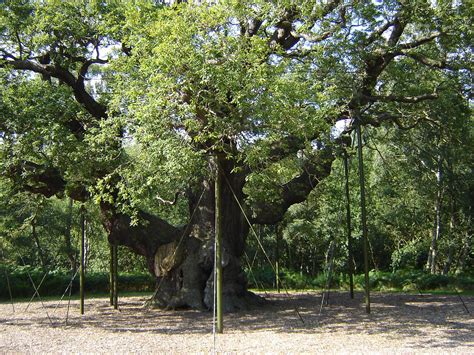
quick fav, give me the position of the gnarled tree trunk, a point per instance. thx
(182, 258)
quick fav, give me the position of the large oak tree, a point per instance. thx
(135, 105)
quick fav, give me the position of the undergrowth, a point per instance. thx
(402, 280)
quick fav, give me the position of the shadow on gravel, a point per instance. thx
(406, 315)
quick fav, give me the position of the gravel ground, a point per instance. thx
(399, 323)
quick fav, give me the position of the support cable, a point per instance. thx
(36, 290)
(463, 303)
(82, 255)
(69, 300)
(8, 284)
(328, 280)
(34, 294)
(218, 247)
(65, 291)
(348, 224)
(257, 283)
(259, 242)
(111, 274)
(180, 240)
(330, 258)
(155, 293)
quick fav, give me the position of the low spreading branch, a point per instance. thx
(296, 190)
(95, 108)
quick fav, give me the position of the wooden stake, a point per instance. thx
(348, 226)
(82, 275)
(363, 214)
(218, 251)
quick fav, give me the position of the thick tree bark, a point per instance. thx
(182, 258)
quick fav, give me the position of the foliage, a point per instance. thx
(401, 280)
(56, 282)
(172, 85)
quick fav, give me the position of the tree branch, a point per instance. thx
(86, 65)
(96, 109)
(313, 38)
(432, 63)
(402, 99)
(286, 36)
(167, 202)
(420, 41)
(398, 28)
(36, 178)
(379, 32)
(145, 238)
(296, 190)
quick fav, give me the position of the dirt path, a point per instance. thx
(398, 324)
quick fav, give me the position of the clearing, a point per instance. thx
(399, 323)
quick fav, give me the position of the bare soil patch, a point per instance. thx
(399, 323)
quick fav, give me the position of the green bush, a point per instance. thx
(411, 256)
(261, 277)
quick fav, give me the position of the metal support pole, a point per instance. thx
(218, 251)
(348, 226)
(277, 259)
(82, 275)
(115, 274)
(111, 274)
(363, 213)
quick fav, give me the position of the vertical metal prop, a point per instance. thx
(348, 226)
(218, 251)
(81, 275)
(111, 274)
(277, 257)
(115, 274)
(363, 214)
